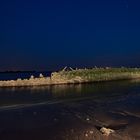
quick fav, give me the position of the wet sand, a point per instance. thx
(80, 120)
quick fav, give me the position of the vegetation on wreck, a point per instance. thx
(101, 74)
(68, 76)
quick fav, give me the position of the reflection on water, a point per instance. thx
(37, 94)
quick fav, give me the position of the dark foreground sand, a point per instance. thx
(80, 120)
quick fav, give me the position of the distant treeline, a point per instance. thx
(25, 71)
(17, 71)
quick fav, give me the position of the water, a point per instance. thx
(73, 112)
(22, 75)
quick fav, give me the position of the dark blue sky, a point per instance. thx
(47, 35)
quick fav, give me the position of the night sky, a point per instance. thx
(51, 34)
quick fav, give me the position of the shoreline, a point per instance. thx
(77, 76)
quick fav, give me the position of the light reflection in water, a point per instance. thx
(37, 94)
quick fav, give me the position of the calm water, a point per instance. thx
(70, 111)
(15, 76)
